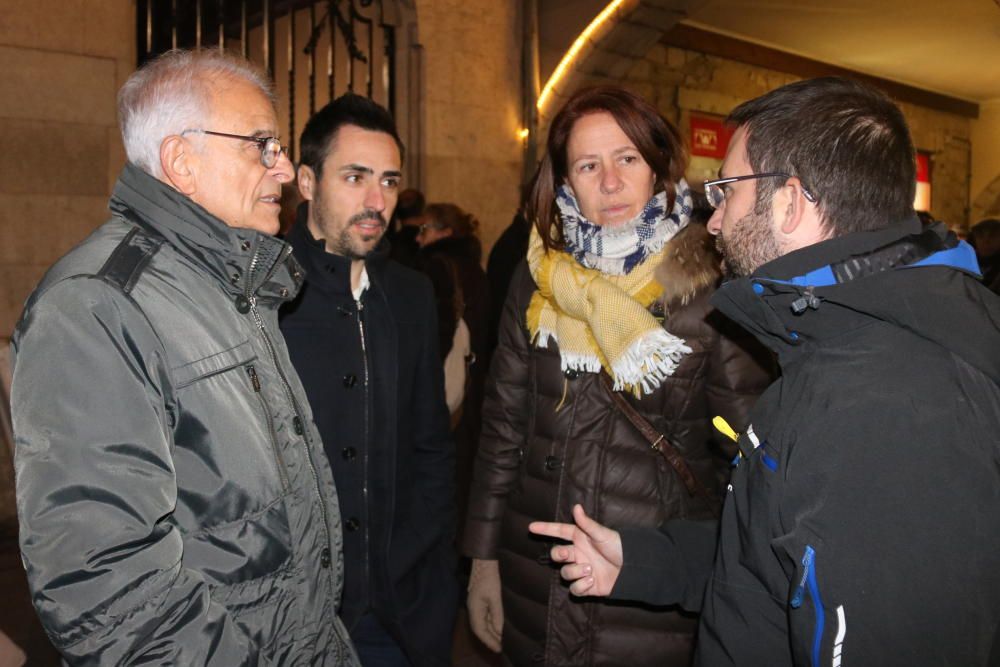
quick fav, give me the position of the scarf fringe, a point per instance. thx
(642, 368)
(648, 361)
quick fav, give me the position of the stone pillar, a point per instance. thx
(472, 107)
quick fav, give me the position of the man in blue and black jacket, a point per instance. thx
(862, 524)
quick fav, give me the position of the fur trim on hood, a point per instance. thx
(690, 264)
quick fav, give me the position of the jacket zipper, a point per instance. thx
(326, 555)
(808, 581)
(282, 473)
(365, 457)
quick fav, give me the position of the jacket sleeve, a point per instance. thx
(504, 426)
(668, 565)
(92, 408)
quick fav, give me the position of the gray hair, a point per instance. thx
(171, 94)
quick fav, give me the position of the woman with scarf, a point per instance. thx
(607, 341)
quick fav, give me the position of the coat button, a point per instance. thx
(245, 246)
(571, 373)
(349, 453)
(324, 558)
(235, 278)
(242, 304)
(551, 463)
(283, 292)
(350, 380)
(352, 524)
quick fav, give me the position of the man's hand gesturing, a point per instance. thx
(594, 557)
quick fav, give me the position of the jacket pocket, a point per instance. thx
(213, 364)
(243, 551)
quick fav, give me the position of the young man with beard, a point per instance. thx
(862, 524)
(362, 336)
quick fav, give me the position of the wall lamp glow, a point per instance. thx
(523, 133)
(574, 50)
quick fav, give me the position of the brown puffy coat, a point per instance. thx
(550, 440)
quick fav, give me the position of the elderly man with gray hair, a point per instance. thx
(174, 501)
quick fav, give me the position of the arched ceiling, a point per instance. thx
(946, 46)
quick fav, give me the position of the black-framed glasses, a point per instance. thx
(270, 147)
(716, 195)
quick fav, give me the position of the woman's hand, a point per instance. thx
(594, 556)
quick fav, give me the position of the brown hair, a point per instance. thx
(450, 216)
(657, 140)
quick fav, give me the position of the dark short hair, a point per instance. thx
(320, 133)
(410, 203)
(847, 142)
(657, 140)
(984, 230)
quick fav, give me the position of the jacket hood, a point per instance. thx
(690, 264)
(244, 261)
(924, 281)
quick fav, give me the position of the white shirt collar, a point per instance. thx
(363, 284)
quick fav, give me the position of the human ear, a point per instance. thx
(790, 203)
(177, 162)
(306, 179)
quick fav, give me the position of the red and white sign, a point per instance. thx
(709, 137)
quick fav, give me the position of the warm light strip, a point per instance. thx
(571, 54)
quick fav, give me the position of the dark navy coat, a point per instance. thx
(374, 378)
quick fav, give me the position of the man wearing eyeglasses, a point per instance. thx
(862, 524)
(174, 501)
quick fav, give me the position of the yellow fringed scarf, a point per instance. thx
(600, 320)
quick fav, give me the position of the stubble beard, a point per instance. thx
(750, 244)
(345, 244)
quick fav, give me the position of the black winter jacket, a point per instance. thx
(863, 522)
(374, 378)
(551, 440)
(174, 503)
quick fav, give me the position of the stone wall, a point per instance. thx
(62, 65)
(680, 82)
(985, 185)
(471, 105)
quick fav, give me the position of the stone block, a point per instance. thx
(55, 158)
(43, 85)
(39, 229)
(676, 57)
(706, 101)
(660, 18)
(72, 26)
(473, 131)
(631, 39)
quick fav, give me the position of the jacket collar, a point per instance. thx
(243, 261)
(847, 282)
(329, 272)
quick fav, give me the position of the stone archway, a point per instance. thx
(987, 203)
(634, 28)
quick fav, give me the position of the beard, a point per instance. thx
(353, 246)
(751, 242)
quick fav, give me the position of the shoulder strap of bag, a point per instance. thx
(659, 442)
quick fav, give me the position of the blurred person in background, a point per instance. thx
(450, 254)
